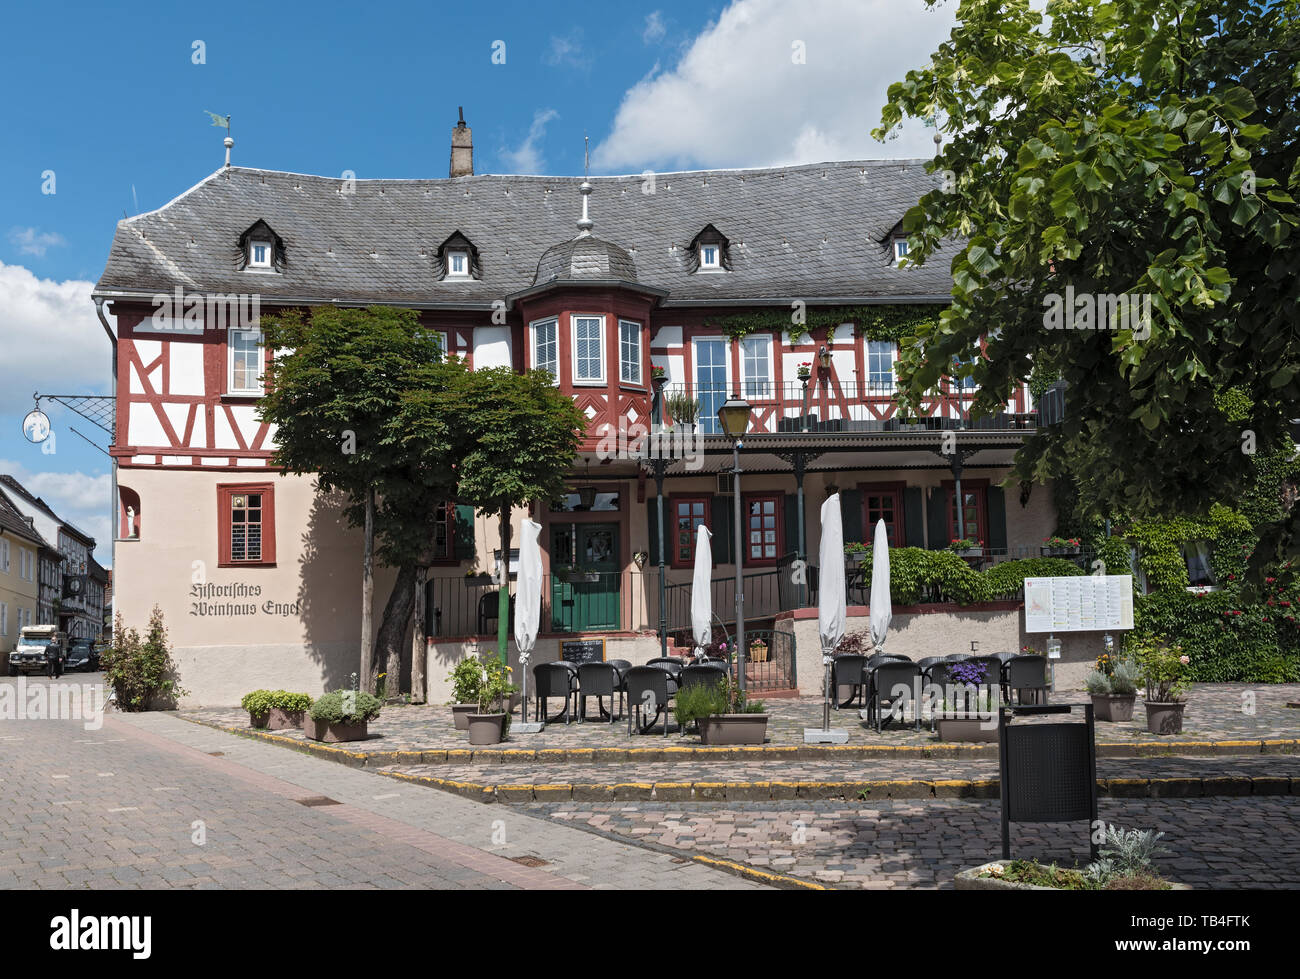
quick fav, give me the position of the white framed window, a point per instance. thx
(712, 374)
(4, 556)
(546, 347)
(900, 250)
(756, 366)
(880, 366)
(588, 350)
(629, 352)
(244, 349)
(4, 619)
(457, 264)
(259, 254)
(711, 257)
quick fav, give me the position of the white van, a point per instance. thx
(40, 649)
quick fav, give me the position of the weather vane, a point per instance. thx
(221, 121)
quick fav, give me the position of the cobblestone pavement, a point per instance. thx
(149, 801)
(1215, 843)
(1279, 767)
(1215, 712)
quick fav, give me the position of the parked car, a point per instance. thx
(83, 654)
(40, 649)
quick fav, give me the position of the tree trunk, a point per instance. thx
(419, 641)
(392, 629)
(503, 592)
(368, 596)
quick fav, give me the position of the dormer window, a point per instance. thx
(709, 251)
(458, 259)
(900, 250)
(261, 249)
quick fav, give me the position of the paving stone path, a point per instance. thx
(1215, 712)
(1215, 843)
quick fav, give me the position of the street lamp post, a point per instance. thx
(733, 416)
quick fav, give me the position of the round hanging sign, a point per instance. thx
(36, 426)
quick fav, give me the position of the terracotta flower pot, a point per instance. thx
(333, 733)
(1113, 706)
(285, 720)
(733, 729)
(1164, 718)
(460, 715)
(485, 728)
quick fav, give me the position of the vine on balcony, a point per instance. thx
(885, 322)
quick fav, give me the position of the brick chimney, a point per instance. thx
(462, 149)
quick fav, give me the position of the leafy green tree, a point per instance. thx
(517, 436)
(335, 390)
(1141, 148)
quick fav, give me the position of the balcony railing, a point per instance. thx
(847, 406)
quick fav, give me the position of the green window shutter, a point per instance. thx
(790, 504)
(652, 522)
(997, 505)
(851, 515)
(464, 545)
(722, 525)
(937, 519)
(913, 517)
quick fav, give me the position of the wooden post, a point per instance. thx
(368, 597)
(503, 591)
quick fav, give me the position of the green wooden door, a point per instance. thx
(589, 600)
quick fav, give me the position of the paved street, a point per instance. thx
(152, 801)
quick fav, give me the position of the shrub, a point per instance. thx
(707, 699)
(259, 702)
(346, 707)
(141, 671)
(466, 677)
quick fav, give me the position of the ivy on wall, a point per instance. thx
(917, 575)
(883, 322)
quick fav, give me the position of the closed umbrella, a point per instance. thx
(528, 606)
(701, 590)
(881, 609)
(830, 591)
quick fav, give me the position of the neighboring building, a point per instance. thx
(21, 548)
(64, 597)
(703, 274)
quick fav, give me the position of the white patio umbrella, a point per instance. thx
(881, 608)
(528, 603)
(702, 590)
(830, 591)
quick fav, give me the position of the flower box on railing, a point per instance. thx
(579, 577)
(1059, 551)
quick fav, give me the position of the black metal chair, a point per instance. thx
(554, 680)
(956, 657)
(1028, 672)
(489, 611)
(848, 671)
(893, 686)
(649, 685)
(925, 662)
(697, 674)
(599, 680)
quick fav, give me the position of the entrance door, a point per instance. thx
(585, 599)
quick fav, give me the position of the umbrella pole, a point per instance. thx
(826, 688)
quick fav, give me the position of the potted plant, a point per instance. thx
(857, 552)
(965, 547)
(1164, 669)
(804, 370)
(465, 678)
(682, 409)
(342, 715)
(258, 705)
(971, 713)
(575, 575)
(1060, 547)
(722, 712)
(1113, 688)
(1126, 864)
(491, 722)
(276, 710)
(658, 376)
(758, 651)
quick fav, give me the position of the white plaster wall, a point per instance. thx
(491, 346)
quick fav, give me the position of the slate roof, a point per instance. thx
(814, 232)
(10, 483)
(585, 257)
(13, 523)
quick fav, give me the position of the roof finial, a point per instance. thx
(585, 224)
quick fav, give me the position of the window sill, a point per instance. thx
(242, 395)
(245, 564)
(591, 384)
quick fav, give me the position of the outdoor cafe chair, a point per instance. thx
(1027, 672)
(938, 678)
(696, 674)
(599, 680)
(671, 664)
(553, 680)
(885, 681)
(648, 684)
(489, 613)
(956, 657)
(877, 658)
(925, 662)
(848, 671)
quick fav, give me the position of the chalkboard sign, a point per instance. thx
(583, 650)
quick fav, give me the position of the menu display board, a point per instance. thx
(1083, 603)
(583, 650)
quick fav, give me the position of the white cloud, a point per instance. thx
(736, 97)
(82, 499)
(566, 50)
(30, 241)
(655, 28)
(527, 157)
(53, 341)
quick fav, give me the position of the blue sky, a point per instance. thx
(111, 100)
